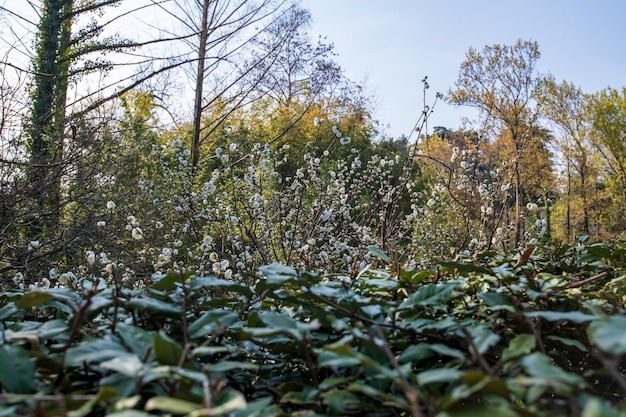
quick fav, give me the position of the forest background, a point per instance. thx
(215, 138)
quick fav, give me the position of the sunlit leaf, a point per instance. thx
(127, 364)
(520, 345)
(378, 253)
(33, 299)
(171, 405)
(438, 375)
(105, 394)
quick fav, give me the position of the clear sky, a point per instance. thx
(393, 44)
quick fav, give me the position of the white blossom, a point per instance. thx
(66, 279)
(91, 257)
(111, 205)
(137, 234)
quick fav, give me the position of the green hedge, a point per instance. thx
(537, 334)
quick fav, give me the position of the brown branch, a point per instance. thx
(476, 356)
(586, 281)
(410, 391)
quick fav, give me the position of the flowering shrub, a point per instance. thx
(537, 334)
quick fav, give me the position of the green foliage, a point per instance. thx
(539, 334)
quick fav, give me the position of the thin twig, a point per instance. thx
(476, 356)
(408, 388)
(586, 280)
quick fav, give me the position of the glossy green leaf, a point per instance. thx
(127, 364)
(378, 253)
(609, 334)
(33, 299)
(483, 338)
(225, 366)
(213, 282)
(166, 350)
(416, 353)
(544, 371)
(130, 413)
(497, 301)
(520, 345)
(438, 375)
(277, 274)
(171, 405)
(154, 306)
(568, 342)
(573, 316)
(430, 295)
(17, 370)
(211, 321)
(166, 282)
(94, 351)
(104, 395)
(137, 339)
(447, 351)
(228, 402)
(8, 311)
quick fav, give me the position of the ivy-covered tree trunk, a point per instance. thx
(47, 122)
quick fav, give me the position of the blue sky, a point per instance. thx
(393, 44)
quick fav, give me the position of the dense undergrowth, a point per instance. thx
(539, 333)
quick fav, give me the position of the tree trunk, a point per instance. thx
(47, 122)
(197, 109)
(518, 206)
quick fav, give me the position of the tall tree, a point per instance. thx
(297, 67)
(499, 81)
(565, 105)
(608, 108)
(220, 38)
(49, 92)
